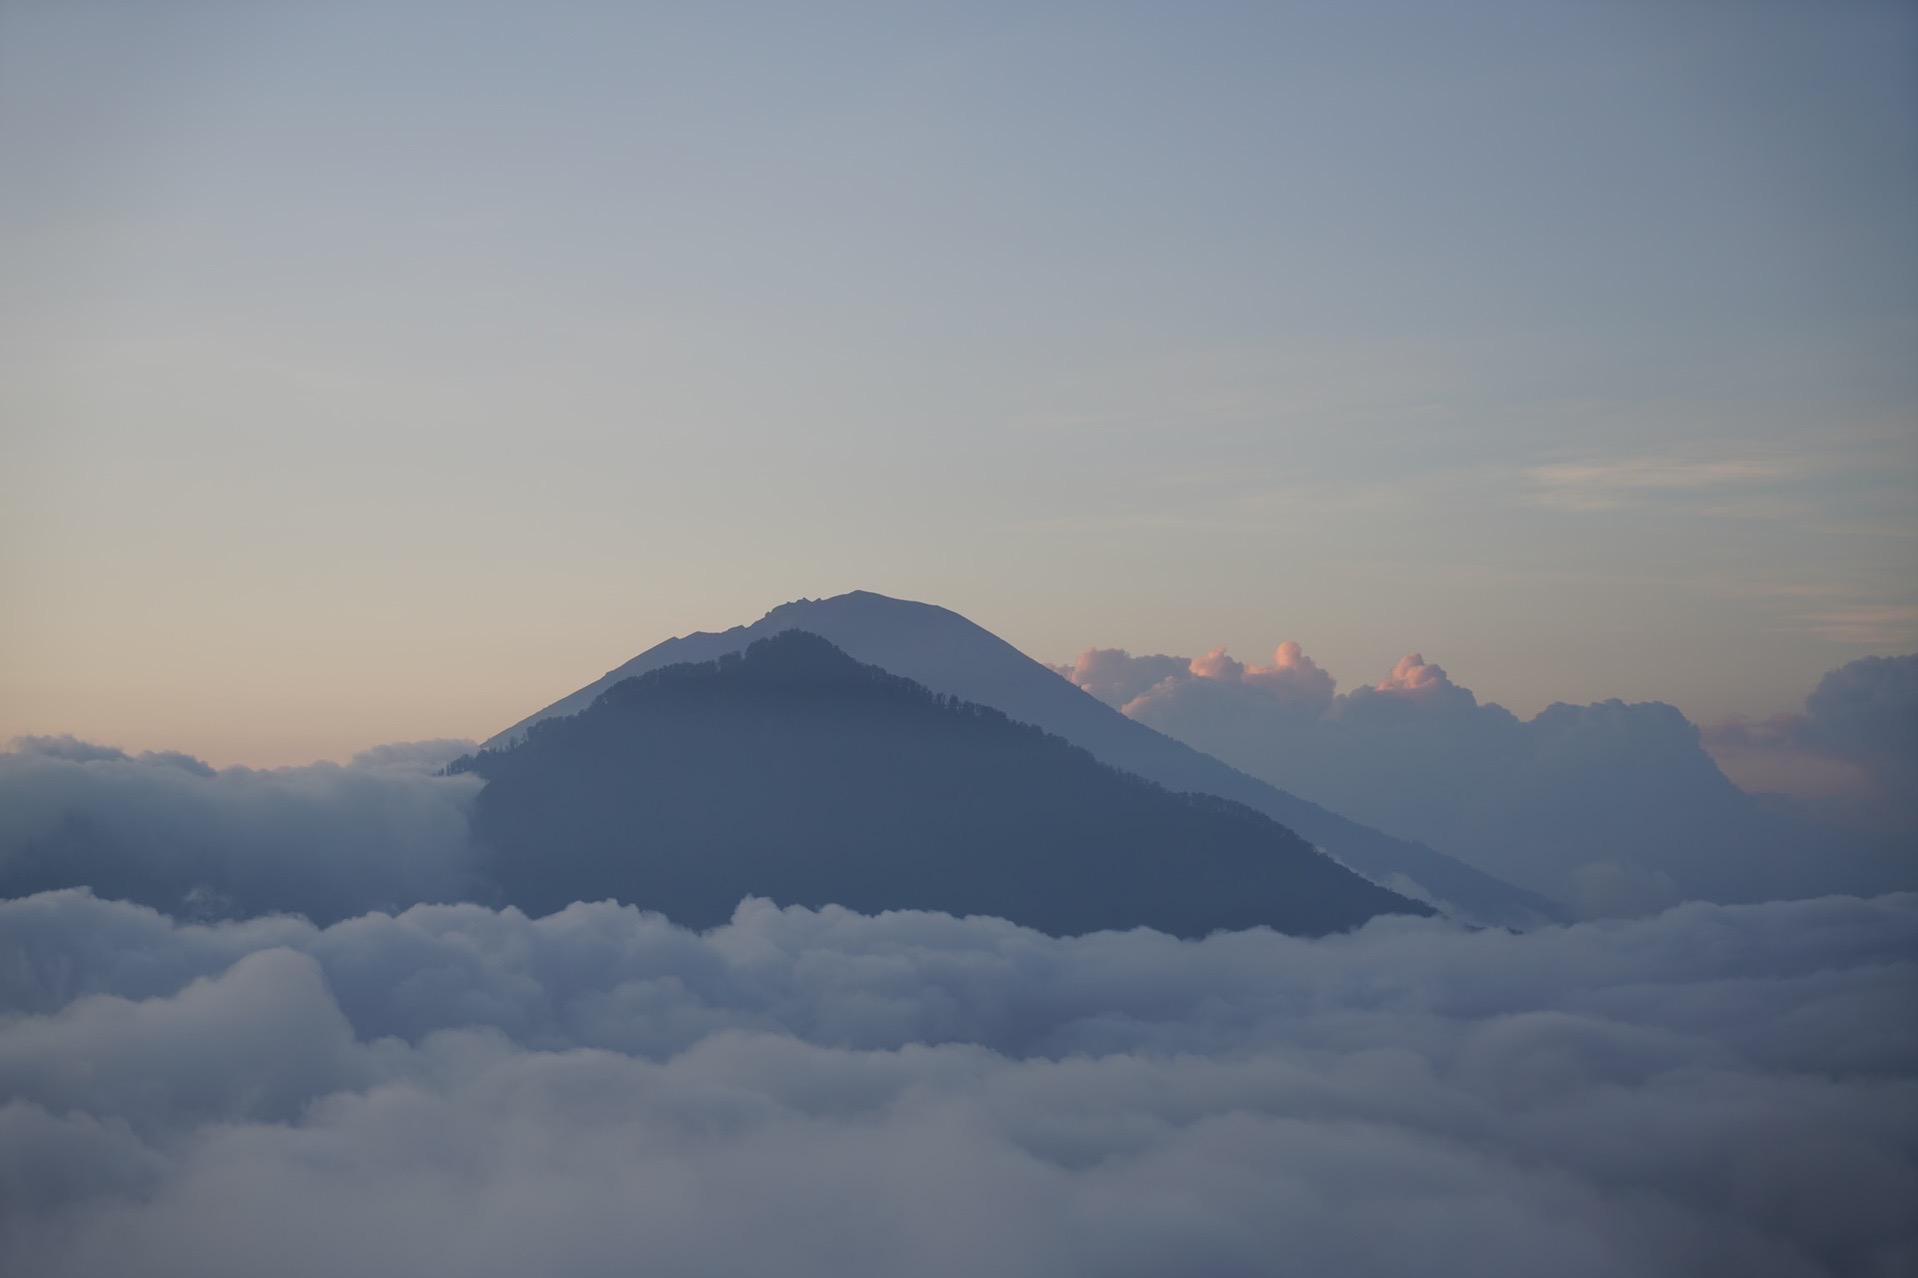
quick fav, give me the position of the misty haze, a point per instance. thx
(1262, 639)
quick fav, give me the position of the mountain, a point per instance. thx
(949, 654)
(794, 772)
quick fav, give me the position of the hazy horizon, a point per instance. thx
(344, 738)
(373, 373)
(1412, 766)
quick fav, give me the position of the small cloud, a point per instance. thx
(1614, 485)
(1115, 676)
(1413, 674)
(1218, 667)
(415, 756)
(70, 748)
(1413, 682)
(1293, 682)
(1856, 741)
(1867, 710)
(1876, 626)
(73, 750)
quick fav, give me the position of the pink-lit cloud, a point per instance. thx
(1115, 676)
(1414, 674)
(1118, 678)
(1613, 807)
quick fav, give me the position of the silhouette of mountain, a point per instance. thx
(949, 654)
(796, 773)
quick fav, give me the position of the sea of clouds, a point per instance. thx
(457, 1090)
(221, 1086)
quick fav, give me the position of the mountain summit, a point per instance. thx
(794, 772)
(949, 654)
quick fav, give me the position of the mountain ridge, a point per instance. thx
(949, 653)
(794, 772)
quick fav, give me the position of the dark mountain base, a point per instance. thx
(949, 654)
(795, 773)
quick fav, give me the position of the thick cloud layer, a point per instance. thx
(459, 1091)
(326, 840)
(1853, 750)
(1615, 808)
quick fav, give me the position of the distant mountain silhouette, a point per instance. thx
(794, 772)
(951, 655)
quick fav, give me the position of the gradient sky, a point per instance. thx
(374, 372)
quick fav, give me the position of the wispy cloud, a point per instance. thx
(1877, 625)
(1623, 482)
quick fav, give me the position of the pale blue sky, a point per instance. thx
(383, 371)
